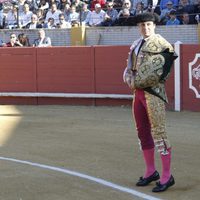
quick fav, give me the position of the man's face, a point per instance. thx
(41, 34)
(13, 38)
(98, 9)
(26, 7)
(53, 7)
(109, 6)
(147, 28)
(62, 19)
(34, 18)
(186, 18)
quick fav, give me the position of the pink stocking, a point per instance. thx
(166, 171)
(149, 161)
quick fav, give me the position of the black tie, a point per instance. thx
(143, 41)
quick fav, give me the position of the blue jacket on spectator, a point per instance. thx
(163, 3)
(173, 22)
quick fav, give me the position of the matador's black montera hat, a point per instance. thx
(147, 16)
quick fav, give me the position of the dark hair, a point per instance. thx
(172, 12)
(23, 39)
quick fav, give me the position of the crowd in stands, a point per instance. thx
(32, 14)
(22, 40)
(52, 14)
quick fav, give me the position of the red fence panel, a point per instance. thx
(65, 70)
(190, 71)
(95, 69)
(18, 73)
(110, 62)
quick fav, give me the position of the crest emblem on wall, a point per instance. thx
(194, 75)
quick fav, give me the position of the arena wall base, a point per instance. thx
(88, 76)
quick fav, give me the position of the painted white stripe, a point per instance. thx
(84, 176)
(177, 77)
(65, 95)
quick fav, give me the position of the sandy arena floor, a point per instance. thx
(89, 153)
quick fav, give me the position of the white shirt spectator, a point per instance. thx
(21, 5)
(11, 18)
(97, 16)
(53, 13)
(134, 3)
(84, 13)
(25, 18)
(63, 23)
(42, 4)
(73, 16)
(1, 17)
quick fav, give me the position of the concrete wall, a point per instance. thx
(187, 34)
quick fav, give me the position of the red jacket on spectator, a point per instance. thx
(101, 2)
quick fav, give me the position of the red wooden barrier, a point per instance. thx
(18, 74)
(65, 70)
(190, 63)
(86, 70)
(110, 62)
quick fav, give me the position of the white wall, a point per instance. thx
(187, 34)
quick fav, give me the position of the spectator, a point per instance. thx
(94, 2)
(78, 5)
(24, 40)
(2, 43)
(111, 14)
(42, 40)
(44, 6)
(163, 4)
(63, 23)
(197, 18)
(185, 19)
(61, 5)
(25, 17)
(51, 2)
(34, 23)
(1, 16)
(85, 12)
(144, 2)
(11, 17)
(97, 16)
(197, 11)
(197, 6)
(117, 4)
(66, 11)
(164, 16)
(40, 16)
(139, 8)
(32, 5)
(73, 16)
(125, 18)
(50, 24)
(20, 5)
(172, 18)
(126, 5)
(193, 2)
(14, 42)
(184, 6)
(53, 13)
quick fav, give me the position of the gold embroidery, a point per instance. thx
(156, 115)
(150, 70)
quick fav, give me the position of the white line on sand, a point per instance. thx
(84, 176)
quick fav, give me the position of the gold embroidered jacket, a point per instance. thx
(152, 65)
